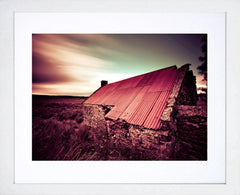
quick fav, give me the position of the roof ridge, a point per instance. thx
(173, 66)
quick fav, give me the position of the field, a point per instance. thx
(58, 132)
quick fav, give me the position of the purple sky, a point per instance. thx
(75, 64)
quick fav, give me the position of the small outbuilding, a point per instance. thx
(152, 116)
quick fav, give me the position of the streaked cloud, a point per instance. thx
(68, 64)
(74, 64)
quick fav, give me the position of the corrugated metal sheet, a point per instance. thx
(127, 114)
(153, 119)
(139, 100)
(144, 108)
(127, 96)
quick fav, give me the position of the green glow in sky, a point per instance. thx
(74, 64)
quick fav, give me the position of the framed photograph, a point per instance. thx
(120, 98)
(131, 115)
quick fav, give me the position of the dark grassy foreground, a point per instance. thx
(58, 132)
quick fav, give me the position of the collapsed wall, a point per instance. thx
(120, 140)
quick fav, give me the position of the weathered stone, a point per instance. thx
(166, 116)
(188, 92)
(164, 138)
(192, 133)
(171, 102)
(189, 111)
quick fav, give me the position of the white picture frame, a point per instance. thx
(7, 183)
(210, 171)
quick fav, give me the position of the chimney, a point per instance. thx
(103, 83)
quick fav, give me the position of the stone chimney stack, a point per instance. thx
(103, 83)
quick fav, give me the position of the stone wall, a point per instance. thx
(172, 101)
(119, 140)
(95, 120)
(128, 141)
(191, 136)
(188, 92)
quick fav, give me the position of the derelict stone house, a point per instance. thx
(153, 115)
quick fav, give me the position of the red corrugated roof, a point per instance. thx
(139, 100)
